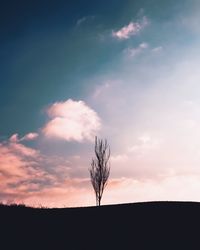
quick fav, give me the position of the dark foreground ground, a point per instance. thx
(151, 225)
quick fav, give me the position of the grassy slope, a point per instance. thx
(151, 225)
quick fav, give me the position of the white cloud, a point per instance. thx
(132, 52)
(131, 29)
(72, 121)
(80, 21)
(146, 145)
(119, 158)
(100, 89)
(157, 49)
(144, 139)
(84, 19)
(157, 124)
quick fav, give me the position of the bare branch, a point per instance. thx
(100, 168)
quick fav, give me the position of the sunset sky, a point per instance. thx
(128, 71)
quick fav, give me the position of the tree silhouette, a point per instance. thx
(100, 168)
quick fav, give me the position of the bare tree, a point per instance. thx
(100, 168)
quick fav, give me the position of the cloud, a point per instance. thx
(28, 137)
(80, 21)
(72, 192)
(190, 21)
(18, 163)
(23, 150)
(72, 121)
(126, 190)
(100, 89)
(145, 143)
(156, 125)
(131, 29)
(84, 19)
(132, 52)
(27, 176)
(157, 49)
(14, 138)
(119, 158)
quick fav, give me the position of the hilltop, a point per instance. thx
(149, 225)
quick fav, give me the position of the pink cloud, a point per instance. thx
(14, 138)
(23, 150)
(27, 176)
(129, 30)
(72, 121)
(30, 137)
(70, 193)
(20, 168)
(10, 163)
(24, 179)
(78, 192)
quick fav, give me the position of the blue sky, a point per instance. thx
(47, 56)
(123, 70)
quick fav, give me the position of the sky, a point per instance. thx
(127, 71)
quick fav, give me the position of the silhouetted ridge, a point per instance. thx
(124, 226)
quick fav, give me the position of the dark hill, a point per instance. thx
(151, 225)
